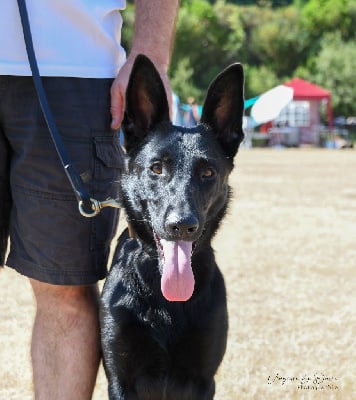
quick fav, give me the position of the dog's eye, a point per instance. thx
(208, 172)
(156, 168)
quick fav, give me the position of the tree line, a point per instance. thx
(274, 40)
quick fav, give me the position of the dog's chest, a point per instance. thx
(165, 324)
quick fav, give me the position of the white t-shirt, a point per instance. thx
(72, 38)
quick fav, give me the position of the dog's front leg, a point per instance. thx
(116, 391)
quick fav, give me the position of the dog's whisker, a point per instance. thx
(136, 220)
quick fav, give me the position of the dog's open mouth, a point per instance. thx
(177, 281)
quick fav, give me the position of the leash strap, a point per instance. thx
(88, 207)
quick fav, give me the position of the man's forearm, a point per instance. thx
(155, 29)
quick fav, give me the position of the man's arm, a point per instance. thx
(153, 36)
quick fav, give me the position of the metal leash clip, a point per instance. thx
(96, 206)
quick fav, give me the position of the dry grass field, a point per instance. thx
(288, 253)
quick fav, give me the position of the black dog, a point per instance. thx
(163, 308)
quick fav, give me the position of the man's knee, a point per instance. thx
(69, 302)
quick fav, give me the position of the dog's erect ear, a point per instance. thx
(224, 106)
(146, 101)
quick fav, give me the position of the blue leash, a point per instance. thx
(88, 207)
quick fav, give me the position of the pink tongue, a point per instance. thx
(177, 282)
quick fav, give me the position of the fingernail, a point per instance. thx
(114, 123)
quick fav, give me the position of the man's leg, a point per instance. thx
(65, 341)
(50, 242)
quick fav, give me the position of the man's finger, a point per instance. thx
(117, 106)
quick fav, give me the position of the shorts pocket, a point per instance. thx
(109, 160)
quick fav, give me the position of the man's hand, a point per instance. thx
(154, 32)
(118, 91)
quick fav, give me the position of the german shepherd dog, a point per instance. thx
(163, 308)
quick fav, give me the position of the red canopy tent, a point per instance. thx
(304, 90)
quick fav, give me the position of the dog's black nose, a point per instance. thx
(182, 228)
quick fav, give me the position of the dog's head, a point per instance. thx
(175, 188)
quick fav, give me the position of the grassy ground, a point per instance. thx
(288, 253)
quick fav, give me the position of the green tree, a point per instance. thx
(208, 38)
(259, 80)
(327, 16)
(279, 41)
(334, 68)
(128, 26)
(182, 82)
